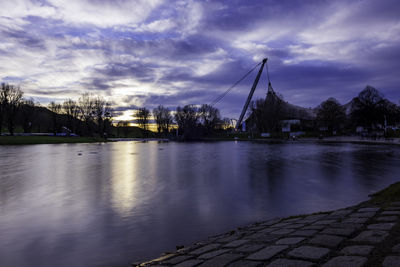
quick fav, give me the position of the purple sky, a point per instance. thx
(151, 52)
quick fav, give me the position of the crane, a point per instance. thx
(253, 88)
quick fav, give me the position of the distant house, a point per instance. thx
(286, 124)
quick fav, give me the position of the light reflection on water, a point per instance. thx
(122, 202)
(123, 181)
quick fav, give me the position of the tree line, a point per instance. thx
(191, 121)
(10, 102)
(369, 111)
(90, 115)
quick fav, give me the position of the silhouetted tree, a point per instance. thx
(257, 118)
(266, 115)
(10, 99)
(391, 113)
(209, 118)
(108, 115)
(142, 116)
(369, 108)
(71, 110)
(55, 112)
(102, 113)
(187, 119)
(86, 108)
(98, 109)
(2, 105)
(330, 114)
(163, 118)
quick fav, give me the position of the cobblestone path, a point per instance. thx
(362, 235)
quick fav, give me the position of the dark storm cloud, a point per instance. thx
(311, 82)
(307, 75)
(54, 92)
(130, 98)
(193, 97)
(22, 38)
(382, 11)
(120, 70)
(99, 84)
(176, 49)
(225, 75)
(387, 58)
(192, 47)
(240, 16)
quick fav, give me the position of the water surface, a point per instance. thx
(115, 203)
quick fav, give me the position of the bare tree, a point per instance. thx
(266, 115)
(2, 104)
(157, 114)
(86, 104)
(330, 114)
(142, 115)
(98, 109)
(209, 117)
(163, 118)
(187, 119)
(70, 108)
(102, 113)
(108, 115)
(55, 112)
(10, 99)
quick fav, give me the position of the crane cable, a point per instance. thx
(269, 85)
(216, 100)
(266, 66)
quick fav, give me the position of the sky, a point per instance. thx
(143, 53)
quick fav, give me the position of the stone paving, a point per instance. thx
(362, 235)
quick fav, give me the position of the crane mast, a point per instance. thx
(253, 88)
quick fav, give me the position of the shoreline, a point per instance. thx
(338, 139)
(40, 140)
(120, 139)
(44, 139)
(366, 234)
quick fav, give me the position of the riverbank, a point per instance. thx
(331, 139)
(367, 234)
(31, 140)
(48, 139)
(138, 139)
(354, 140)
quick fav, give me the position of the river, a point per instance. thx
(114, 203)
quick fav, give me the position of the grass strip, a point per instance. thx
(387, 195)
(30, 140)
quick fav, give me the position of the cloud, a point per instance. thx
(103, 14)
(145, 53)
(19, 9)
(161, 25)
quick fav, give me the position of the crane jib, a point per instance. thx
(253, 88)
